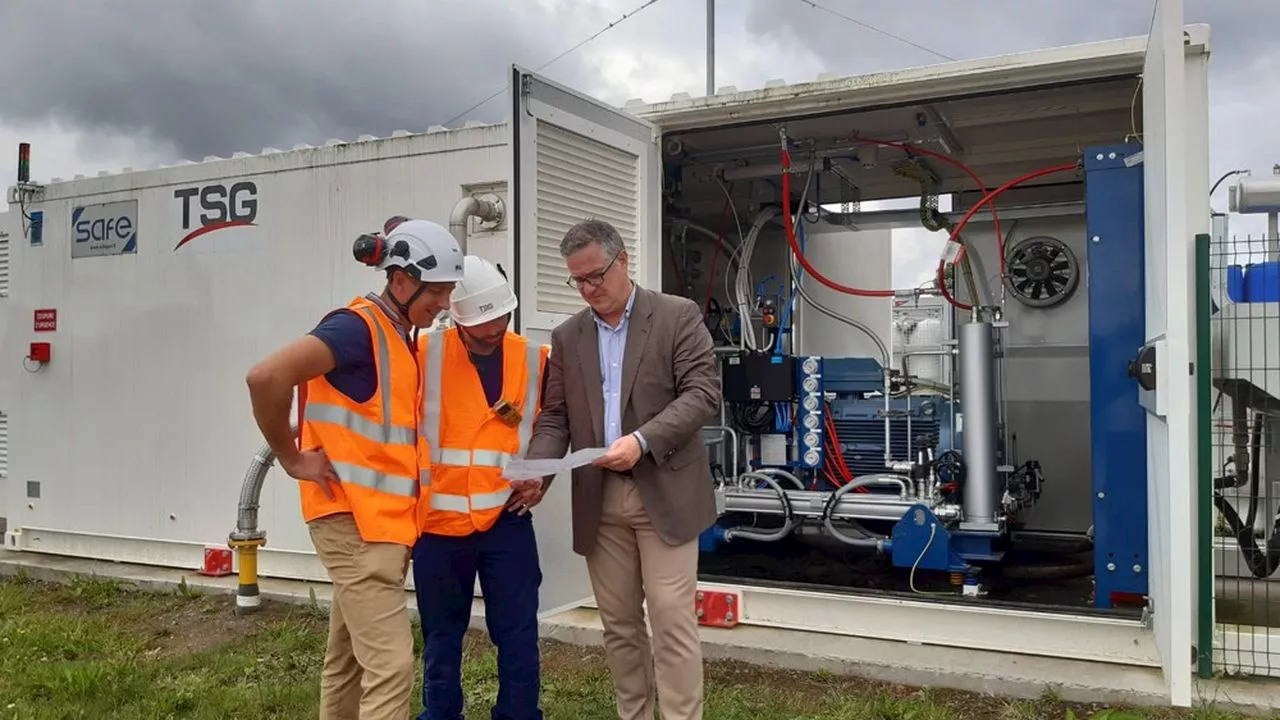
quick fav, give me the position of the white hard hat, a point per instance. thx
(423, 249)
(482, 295)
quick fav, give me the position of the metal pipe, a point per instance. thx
(780, 473)
(251, 493)
(711, 47)
(788, 522)
(248, 537)
(977, 388)
(488, 208)
(810, 503)
(830, 507)
(724, 429)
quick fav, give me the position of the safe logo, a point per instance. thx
(220, 208)
(104, 229)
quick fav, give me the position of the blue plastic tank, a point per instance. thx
(1254, 283)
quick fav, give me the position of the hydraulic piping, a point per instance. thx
(248, 537)
(788, 519)
(488, 207)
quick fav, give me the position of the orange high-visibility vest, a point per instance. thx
(373, 445)
(463, 443)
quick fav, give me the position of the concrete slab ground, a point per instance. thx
(1014, 676)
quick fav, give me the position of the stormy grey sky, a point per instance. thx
(130, 83)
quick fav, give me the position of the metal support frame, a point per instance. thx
(1115, 225)
(1092, 638)
(1204, 434)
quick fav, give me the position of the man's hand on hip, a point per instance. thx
(622, 455)
(312, 466)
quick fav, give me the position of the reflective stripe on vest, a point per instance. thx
(433, 379)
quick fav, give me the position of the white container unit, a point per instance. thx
(1030, 110)
(139, 431)
(131, 443)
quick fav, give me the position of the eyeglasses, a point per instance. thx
(594, 279)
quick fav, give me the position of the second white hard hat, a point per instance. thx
(482, 295)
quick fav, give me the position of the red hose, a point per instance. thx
(795, 246)
(986, 199)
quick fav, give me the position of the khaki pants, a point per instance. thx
(368, 667)
(631, 565)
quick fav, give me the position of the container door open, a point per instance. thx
(573, 158)
(1170, 300)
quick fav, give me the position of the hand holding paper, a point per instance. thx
(522, 469)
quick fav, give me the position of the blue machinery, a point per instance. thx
(925, 479)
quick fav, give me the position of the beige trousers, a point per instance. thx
(368, 666)
(631, 565)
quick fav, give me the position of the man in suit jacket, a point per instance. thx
(635, 372)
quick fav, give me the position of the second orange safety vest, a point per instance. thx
(373, 446)
(464, 442)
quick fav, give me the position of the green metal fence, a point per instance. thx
(1239, 473)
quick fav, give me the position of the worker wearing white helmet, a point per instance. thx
(482, 390)
(356, 457)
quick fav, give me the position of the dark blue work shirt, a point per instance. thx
(356, 374)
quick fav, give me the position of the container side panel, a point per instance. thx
(140, 426)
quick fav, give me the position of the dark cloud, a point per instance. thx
(995, 27)
(222, 77)
(212, 79)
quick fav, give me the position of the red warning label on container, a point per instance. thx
(46, 320)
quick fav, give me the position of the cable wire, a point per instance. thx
(874, 29)
(540, 68)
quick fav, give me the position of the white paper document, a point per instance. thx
(522, 469)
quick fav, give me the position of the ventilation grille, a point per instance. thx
(4, 262)
(580, 178)
(4, 445)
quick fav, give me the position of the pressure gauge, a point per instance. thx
(811, 439)
(810, 422)
(810, 384)
(811, 403)
(810, 365)
(811, 457)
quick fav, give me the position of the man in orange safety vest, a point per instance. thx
(481, 392)
(357, 460)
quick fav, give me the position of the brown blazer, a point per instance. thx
(670, 389)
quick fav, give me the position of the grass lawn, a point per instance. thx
(95, 649)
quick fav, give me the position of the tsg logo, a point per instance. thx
(208, 208)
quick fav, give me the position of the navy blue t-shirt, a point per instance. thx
(356, 375)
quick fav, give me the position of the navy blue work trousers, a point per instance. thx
(444, 574)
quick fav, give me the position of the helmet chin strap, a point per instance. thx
(403, 307)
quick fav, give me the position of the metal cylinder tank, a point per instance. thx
(861, 259)
(982, 491)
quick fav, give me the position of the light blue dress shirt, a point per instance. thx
(613, 346)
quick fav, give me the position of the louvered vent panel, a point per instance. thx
(4, 263)
(4, 445)
(580, 178)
